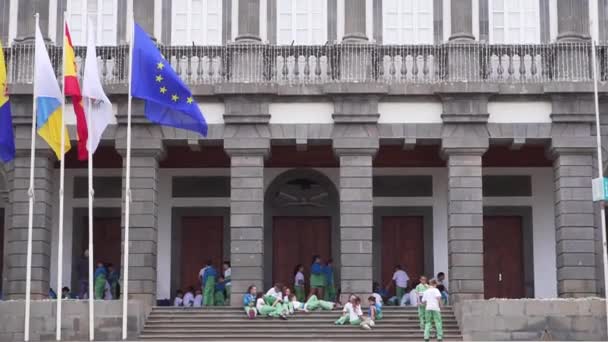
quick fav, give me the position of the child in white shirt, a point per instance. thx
(399, 280)
(299, 283)
(351, 313)
(178, 301)
(189, 297)
(198, 299)
(431, 298)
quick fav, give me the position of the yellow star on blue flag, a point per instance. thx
(168, 101)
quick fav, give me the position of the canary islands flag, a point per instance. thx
(7, 136)
(48, 100)
(168, 101)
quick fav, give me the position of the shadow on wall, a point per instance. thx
(533, 319)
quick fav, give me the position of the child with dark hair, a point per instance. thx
(420, 289)
(432, 302)
(189, 297)
(178, 301)
(317, 278)
(208, 275)
(249, 302)
(330, 288)
(351, 313)
(227, 280)
(198, 298)
(113, 280)
(298, 283)
(220, 292)
(100, 280)
(266, 309)
(375, 310)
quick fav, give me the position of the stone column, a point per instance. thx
(574, 222)
(143, 11)
(354, 21)
(246, 219)
(465, 223)
(16, 245)
(462, 20)
(356, 220)
(143, 226)
(572, 20)
(249, 21)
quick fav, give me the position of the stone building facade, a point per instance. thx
(460, 155)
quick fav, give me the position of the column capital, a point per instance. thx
(355, 151)
(463, 151)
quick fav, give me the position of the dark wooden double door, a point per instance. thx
(402, 244)
(294, 241)
(107, 240)
(503, 263)
(202, 239)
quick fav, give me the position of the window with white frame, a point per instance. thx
(102, 12)
(407, 21)
(303, 22)
(514, 21)
(196, 21)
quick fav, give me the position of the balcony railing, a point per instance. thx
(307, 65)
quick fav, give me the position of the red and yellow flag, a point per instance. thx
(72, 89)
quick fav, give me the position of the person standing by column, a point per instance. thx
(208, 284)
(227, 283)
(432, 301)
(83, 275)
(317, 278)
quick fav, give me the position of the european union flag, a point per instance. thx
(168, 101)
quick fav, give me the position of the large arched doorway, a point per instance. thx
(301, 220)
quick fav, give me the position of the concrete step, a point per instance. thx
(255, 324)
(347, 335)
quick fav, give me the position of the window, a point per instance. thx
(302, 21)
(514, 21)
(196, 21)
(102, 12)
(407, 21)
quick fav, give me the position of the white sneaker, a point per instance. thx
(366, 326)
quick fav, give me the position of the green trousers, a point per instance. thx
(317, 281)
(228, 289)
(433, 317)
(313, 303)
(421, 316)
(272, 311)
(300, 293)
(209, 292)
(399, 292)
(345, 319)
(99, 287)
(219, 299)
(330, 293)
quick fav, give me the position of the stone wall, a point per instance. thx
(533, 319)
(75, 323)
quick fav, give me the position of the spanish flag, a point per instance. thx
(72, 89)
(7, 136)
(48, 100)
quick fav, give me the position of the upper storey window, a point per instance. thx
(303, 22)
(103, 13)
(514, 21)
(407, 21)
(196, 21)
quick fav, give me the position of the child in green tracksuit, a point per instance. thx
(101, 275)
(298, 283)
(265, 309)
(220, 288)
(420, 288)
(351, 313)
(208, 274)
(249, 302)
(432, 301)
(317, 278)
(330, 288)
(227, 280)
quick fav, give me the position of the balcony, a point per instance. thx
(343, 63)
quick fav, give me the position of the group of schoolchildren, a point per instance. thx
(214, 291)
(106, 285)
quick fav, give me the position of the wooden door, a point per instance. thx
(402, 244)
(295, 240)
(107, 240)
(503, 260)
(202, 239)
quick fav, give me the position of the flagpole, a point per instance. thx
(30, 218)
(600, 169)
(90, 216)
(125, 294)
(61, 188)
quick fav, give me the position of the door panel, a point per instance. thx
(107, 240)
(402, 244)
(295, 240)
(503, 262)
(202, 239)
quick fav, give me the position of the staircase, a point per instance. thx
(231, 324)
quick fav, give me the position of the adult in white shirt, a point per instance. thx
(431, 298)
(399, 280)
